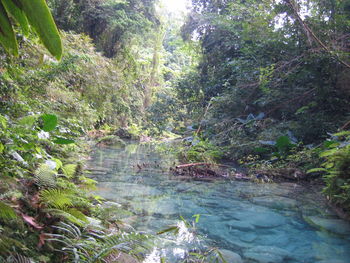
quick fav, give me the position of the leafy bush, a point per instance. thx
(337, 169)
(200, 151)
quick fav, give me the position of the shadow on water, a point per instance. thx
(273, 223)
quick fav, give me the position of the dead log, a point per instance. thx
(181, 166)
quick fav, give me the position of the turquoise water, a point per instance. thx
(261, 222)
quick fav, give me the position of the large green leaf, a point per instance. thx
(18, 14)
(283, 143)
(40, 18)
(316, 170)
(60, 140)
(7, 36)
(49, 122)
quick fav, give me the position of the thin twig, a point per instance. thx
(308, 31)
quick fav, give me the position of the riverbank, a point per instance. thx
(288, 219)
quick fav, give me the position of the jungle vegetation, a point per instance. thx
(262, 82)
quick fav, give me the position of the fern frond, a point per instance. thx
(7, 213)
(45, 177)
(94, 247)
(76, 244)
(8, 245)
(69, 170)
(88, 183)
(57, 198)
(77, 214)
(17, 258)
(68, 216)
(125, 242)
(70, 230)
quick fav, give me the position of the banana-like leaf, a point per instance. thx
(40, 18)
(13, 9)
(7, 36)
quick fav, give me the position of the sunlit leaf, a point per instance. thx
(28, 120)
(40, 18)
(328, 153)
(342, 133)
(18, 14)
(7, 35)
(197, 217)
(330, 144)
(69, 170)
(316, 170)
(3, 121)
(49, 122)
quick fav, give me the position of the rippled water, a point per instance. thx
(264, 223)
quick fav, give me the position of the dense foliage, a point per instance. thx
(111, 24)
(46, 108)
(262, 82)
(259, 69)
(270, 83)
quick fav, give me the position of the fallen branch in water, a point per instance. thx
(200, 164)
(201, 170)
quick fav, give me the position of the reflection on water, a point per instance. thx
(261, 222)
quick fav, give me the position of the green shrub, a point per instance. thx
(337, 169)
(200, 151)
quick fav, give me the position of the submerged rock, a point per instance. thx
(241, 225)
(263, 257)
(230, 256)
(332, 261)
(275, 202)
(335, 226)
(111, 140)
(262, 219)
(267, 220)
(124, 133)
(248, 237)
(267, 254)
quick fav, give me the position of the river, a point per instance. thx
(267, 223)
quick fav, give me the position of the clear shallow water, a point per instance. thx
(261, 222)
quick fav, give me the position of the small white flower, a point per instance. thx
(43, 135)
(51, 164)
(39, 156)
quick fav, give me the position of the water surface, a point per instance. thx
(261, 222)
